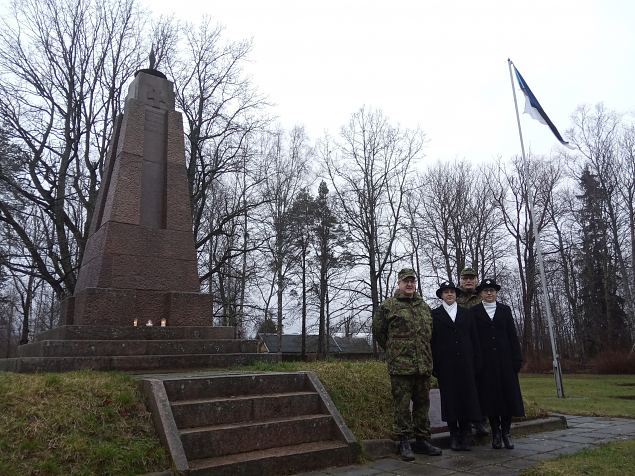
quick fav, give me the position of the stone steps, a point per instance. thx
(235, 385)
(243, 424)
(227, 439)
(281, 460)
(90, 348)
(188, 413)
(136, 333)
(133, 363)
(130, 348)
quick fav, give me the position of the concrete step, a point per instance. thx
(222, 440)
(89, 348)
(136, 362)
(276, 461)
(141, 332)
(218, 411)
(235, 385)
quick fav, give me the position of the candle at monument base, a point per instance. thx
(164, 322)
(135, 322)
(149, 323)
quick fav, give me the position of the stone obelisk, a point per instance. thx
(140, 260)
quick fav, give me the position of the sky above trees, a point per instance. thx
(437, 65)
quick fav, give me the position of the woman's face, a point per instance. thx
(488, 295)
(448, 296)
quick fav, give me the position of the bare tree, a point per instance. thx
(368, 171)
(63, 64)
(511, 188)
(221, 111)
(285, 169)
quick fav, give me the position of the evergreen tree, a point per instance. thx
(301, 219)
(331, 254)
(602, 321)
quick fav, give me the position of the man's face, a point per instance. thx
(468, 281)
(407, 285)
(488, 294)
(448, 296)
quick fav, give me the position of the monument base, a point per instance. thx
(129, 348)
(120, 307)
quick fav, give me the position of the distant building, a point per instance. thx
(339, 347)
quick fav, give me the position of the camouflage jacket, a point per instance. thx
(402, 326)
(468, 299)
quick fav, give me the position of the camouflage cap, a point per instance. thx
(469, 272)
(407, 273)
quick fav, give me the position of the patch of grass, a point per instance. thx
(586, 394)
(612, 459)
(360, 390)
(80, 423)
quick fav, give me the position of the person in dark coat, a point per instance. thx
(456, 360)
(499, 390)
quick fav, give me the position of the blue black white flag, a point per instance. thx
(535, 110)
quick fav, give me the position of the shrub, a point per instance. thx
(614, 362)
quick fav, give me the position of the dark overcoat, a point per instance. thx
(499, 390)
(456, 359)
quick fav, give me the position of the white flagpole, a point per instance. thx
(557, 372)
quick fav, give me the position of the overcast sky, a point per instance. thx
(440, 65)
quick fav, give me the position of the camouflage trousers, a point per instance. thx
(407, 388)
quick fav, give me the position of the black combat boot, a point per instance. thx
(426, 448)
(405, 451)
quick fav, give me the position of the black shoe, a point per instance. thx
(422, 446)
(507, 440)
(497, 444)
(464, 442)
(479, 429)
(405, 451)
(455, 444)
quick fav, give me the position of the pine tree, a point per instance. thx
(602, 320)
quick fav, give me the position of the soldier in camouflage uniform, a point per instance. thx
(469, 298)
(467, 285)
(402, 326)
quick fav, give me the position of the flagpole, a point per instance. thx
(557, 372)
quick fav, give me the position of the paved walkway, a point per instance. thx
(582, 432)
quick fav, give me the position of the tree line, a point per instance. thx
(294, 232)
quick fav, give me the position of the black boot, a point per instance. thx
(479, 428)
(405, 451)
(497, 444)
(425, 447)
(464, 441)
(455, 444)
(507, 441)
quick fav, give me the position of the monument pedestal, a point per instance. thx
(140, 262)
(120, 307)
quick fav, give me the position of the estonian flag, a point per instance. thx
(535, 110)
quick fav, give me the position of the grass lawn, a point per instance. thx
(586, 394)
(614, 459)
(80, 423)
(595, 395)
